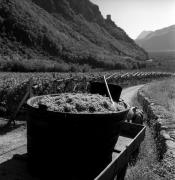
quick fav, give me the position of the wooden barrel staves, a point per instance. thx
(70, 145)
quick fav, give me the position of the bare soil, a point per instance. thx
(128, 94)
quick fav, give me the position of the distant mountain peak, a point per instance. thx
(159, 40)
(144, 34)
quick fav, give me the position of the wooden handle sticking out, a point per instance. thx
(109, 92)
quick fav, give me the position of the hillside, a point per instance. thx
(143, 34)
(57, 34)
(160, 40)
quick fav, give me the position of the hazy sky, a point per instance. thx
(134, 16)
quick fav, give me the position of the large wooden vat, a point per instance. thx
(86, 141)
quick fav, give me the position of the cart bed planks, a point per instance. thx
(130, 137)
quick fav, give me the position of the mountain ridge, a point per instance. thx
(66, 32)
(143, 34)
(159, 40)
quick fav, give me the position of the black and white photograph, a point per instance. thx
(87, 90)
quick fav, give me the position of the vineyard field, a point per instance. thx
(13, 86)
(165, 60)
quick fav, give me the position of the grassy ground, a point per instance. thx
(147, 157)
(147, 165)
(143, 169)
(163, 93)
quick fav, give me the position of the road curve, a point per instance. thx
(128, 93)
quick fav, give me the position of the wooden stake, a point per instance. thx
(27, 94)
(109, 92)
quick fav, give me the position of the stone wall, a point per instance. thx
(162, 123)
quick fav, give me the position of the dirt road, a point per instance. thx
(12, 142)
(129, 93)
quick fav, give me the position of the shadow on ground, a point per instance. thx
(5, 127)
(16, 169)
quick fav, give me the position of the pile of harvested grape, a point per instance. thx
(79, 103)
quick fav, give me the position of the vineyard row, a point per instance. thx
(13, 86)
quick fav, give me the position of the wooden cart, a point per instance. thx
(130, 137)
